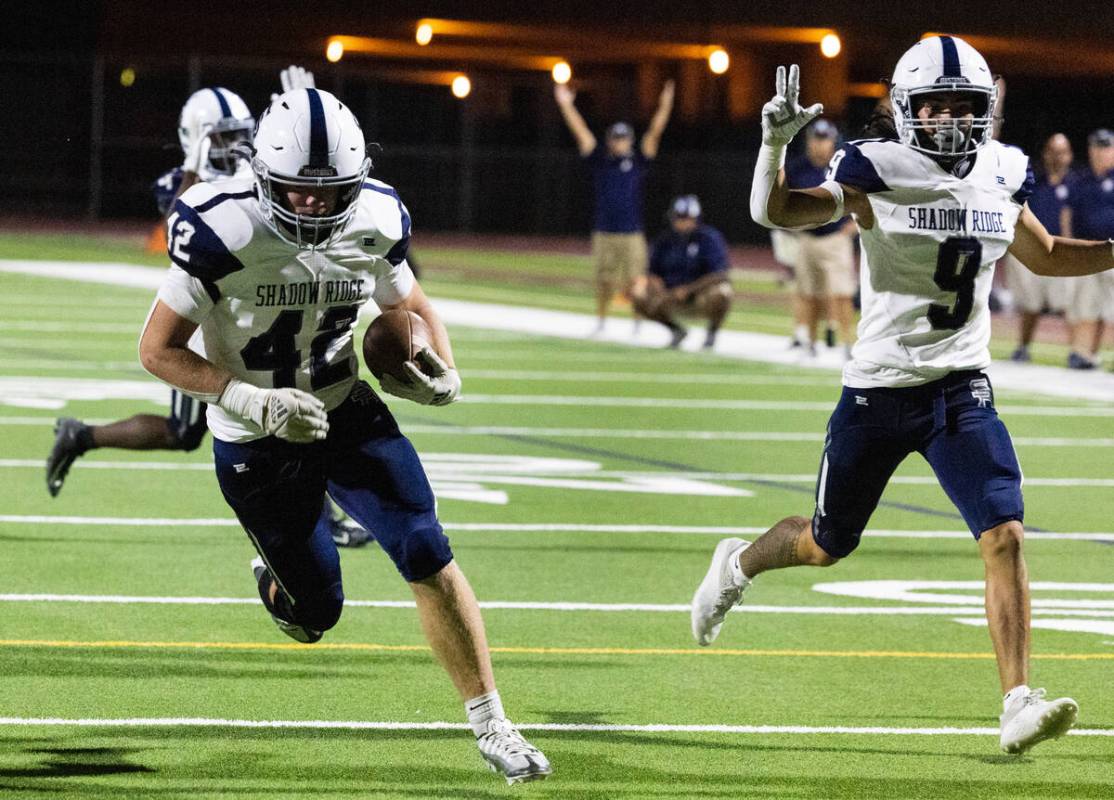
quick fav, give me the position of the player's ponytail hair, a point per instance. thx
(881, 123)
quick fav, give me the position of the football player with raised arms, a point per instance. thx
(213, 126)
(272, 272)
(936, 206)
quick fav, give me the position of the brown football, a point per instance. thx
(393, 338)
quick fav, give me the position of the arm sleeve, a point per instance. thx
(394, 286)
(185, 295)
(851, 168)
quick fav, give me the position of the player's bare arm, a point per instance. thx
(651, 140)
(164, 352)
(287, 413)
(772, 203)
(585, 139)
(1057, 256)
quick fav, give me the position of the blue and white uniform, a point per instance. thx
(276, 315)
(914, 382)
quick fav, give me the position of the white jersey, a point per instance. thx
(270, 313)
(928, 261)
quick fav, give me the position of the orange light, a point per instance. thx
(335, 50)
(719, 61)
(424, 34)
(462, 87)
(830, 45)
(562, 72)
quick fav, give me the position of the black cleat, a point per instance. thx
(347, 533)
(70, 441)
(678, 334)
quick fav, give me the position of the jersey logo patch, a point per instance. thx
(369, 241)
(1001, 180)
(980, 390)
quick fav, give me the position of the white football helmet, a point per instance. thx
(222, 116)
(943, 64)
(308, 138)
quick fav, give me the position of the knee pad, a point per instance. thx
(322, 611)
(421, 553)
(838, 541)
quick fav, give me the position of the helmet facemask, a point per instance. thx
(949, 138)
(308, 230)
(226, 140)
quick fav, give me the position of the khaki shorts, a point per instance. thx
(1034, 293)
(700, 304)
(826, 266)
(1089, 298)
(618, 257)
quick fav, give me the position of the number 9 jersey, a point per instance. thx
(928, 260)
(274, 314)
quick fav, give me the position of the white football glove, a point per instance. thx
(293, 78)
(436, 385)
(198, 152)
(782, 117)
(289, 414)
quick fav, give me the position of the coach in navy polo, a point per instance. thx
(618, 170)
(688, 274)
(1090, 214)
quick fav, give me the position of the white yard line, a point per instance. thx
(556, 605)
(544, 527)
(797, 730)
(768, 348)
(437, 469)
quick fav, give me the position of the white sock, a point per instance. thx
(800, 333)
(736, 570)
(1017, 691)
(483, 709)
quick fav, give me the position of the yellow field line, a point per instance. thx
(587, 651)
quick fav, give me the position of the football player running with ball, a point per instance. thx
(273, 272)
(936, 207)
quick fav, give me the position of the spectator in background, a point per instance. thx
(688, 274)
(618, 170)
(1034, 294)
(826, 281)
(1089, 214)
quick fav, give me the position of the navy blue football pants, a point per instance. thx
(370, 469)
(951, 422)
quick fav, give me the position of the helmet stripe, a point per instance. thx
(225, 109)
(951, 58)
(318, 132)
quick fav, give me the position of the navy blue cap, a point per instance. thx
(1103, 137)
(822, 129)
(687, 205)
(620, 130)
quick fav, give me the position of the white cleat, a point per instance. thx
(507, 752)
(1028, 719)
(718, 592)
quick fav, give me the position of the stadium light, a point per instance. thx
(462, 87)
(335, 50)
(562, 72)
(127, 77)
(424, 34)
(830, 45)
(719, 61)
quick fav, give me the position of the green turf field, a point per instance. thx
(588, 525)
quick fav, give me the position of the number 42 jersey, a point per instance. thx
(273, 314)
(928, 260)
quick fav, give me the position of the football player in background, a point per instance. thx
(936, 208)
(618, 173)
(688, 274)
(213, 125)
(273, 276)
